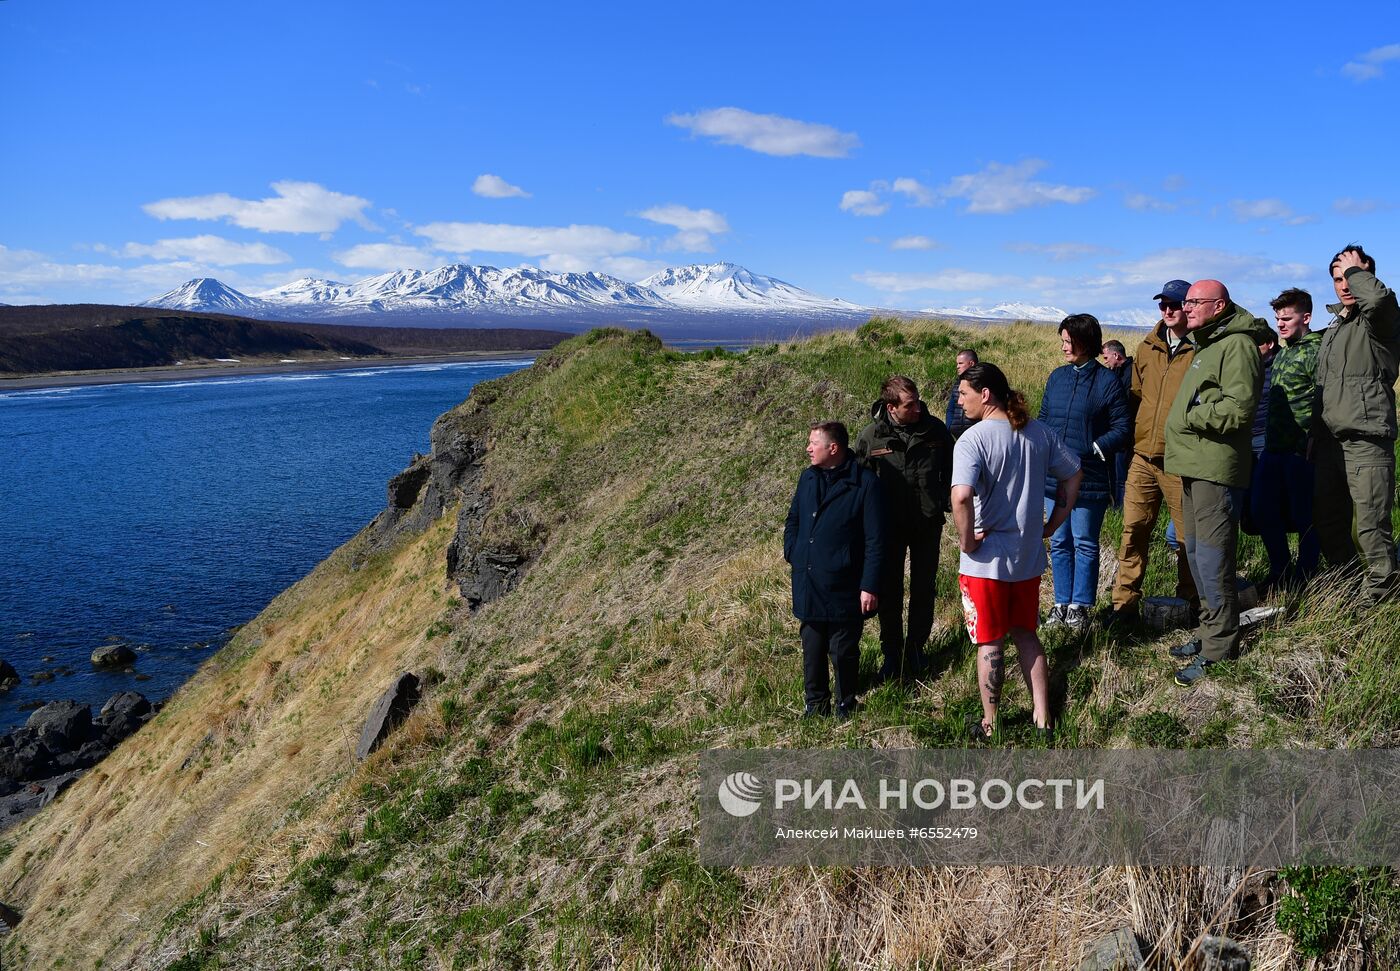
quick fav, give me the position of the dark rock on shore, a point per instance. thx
(9, 677)
(57, 744)
(113, 656)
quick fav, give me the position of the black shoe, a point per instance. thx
(1120, 618)
(817, 711)
(1193, 672)
(1183, 652)
(846, 712)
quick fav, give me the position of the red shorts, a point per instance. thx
(992, 607)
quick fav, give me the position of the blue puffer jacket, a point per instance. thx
(1087, 406)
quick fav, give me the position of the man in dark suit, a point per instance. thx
(834, 540)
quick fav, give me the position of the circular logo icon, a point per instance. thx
(741, 794)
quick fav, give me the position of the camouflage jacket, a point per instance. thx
(1291, 395)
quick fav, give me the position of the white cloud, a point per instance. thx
(1248, 210)
(214, 250)
(35, 277)
(769, 134)
(860, 202)
(1142, 202)
(871, 201)
(952, 279)
(1174, 183)
(918, 193)
(1060, 252)
(571, 248)
(1193, 263)
(386, 256)
(1360, 207)
(915, 242)
(1005, 188)
(298, 207)
(695, 226)
(495, 187)
(1367, 66)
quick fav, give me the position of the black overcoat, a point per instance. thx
(836, 546)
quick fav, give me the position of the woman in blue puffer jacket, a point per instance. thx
(1086, 406)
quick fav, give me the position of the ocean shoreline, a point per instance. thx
(80, 379)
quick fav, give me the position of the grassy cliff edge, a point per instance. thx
(538, 809)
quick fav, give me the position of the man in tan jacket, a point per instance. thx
(1158, 368)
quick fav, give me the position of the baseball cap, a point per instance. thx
(1174, 290)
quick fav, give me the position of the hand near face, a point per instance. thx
(1348, 259)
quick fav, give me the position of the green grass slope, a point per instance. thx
(539, 808)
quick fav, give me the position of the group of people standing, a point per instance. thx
(1189, 421)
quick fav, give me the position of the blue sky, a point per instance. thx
(894, 155)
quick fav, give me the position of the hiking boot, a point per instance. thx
(1056, 617)
(1120, 618)
(1077, 618)
(1193, 672)
(1183, 652)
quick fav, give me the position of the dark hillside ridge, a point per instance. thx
(83, 337)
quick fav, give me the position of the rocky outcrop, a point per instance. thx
(58, 742)
(389, 712)
(452, 474)
(9, 677)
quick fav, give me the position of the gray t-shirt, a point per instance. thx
(1007, 471)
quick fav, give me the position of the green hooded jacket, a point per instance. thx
(913, 462)
(1211, 425)
(1356, 365)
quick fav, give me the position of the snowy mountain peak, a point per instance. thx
(1003, 311)
(207, 294)
(462, 288)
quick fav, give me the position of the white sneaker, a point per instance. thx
(1077, 617)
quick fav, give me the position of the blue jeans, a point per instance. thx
(1282, 503)
(1074, 552)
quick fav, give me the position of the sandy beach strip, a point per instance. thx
(78, 379)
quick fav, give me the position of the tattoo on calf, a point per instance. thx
(996, 674)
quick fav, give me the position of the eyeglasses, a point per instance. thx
(1197, 301)
(1168, 305)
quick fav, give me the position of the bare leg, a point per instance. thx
(991, 675)
(1035, 669)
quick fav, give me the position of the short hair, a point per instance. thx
(1301, 300)
(1367, 262)
(896, 387)
(1273, 335)
(834, 431)
(1084, 333)
(1115, 346)
(966, 352)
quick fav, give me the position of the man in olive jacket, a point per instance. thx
(1353, 448)
(911, 453)
(834, 539)
(1209, 444)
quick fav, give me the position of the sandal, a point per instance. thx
(977, 731)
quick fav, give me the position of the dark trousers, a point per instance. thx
(904, 653)
(839, 641)
(1356, 475)
(1209, 521)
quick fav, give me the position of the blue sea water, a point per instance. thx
(166, 513)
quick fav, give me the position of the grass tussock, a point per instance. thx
(538, 810)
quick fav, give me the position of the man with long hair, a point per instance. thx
(1000, 466)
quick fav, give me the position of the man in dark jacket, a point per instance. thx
(834, 539)
(1116, 359)
(1353, 428)
(957, 422)
(1209, 436)
(912, 454)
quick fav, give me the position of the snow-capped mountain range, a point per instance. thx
(461, 288)
(1002, 311)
